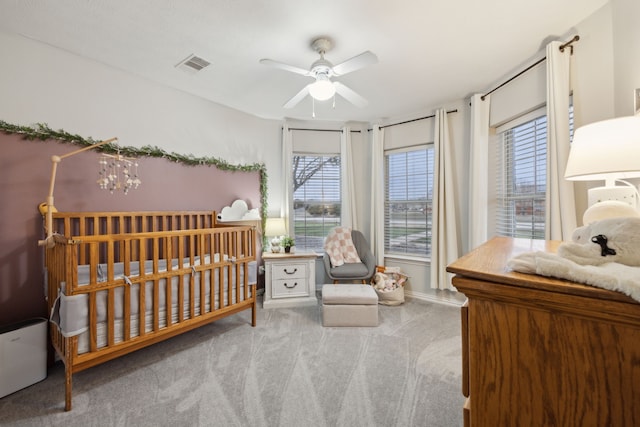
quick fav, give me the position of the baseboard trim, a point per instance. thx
(439, 299)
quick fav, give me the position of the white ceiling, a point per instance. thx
(430, 52)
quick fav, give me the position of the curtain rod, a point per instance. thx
(323, 130)
(562, 47)
(412, 120)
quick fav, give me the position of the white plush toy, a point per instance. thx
(605, 254)
(383, 283)
(603, 241)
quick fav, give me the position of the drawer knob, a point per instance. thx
(291, 272)
(292, 286)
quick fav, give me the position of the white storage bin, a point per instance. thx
(23, 355)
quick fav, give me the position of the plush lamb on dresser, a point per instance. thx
(349, 305)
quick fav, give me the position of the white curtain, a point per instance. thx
(444, 234)
(561, 211)
(287, 177)
(479, 170)
(348, 209)
(377, 193)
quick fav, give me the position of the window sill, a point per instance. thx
(408, 258)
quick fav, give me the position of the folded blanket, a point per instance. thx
(340, 247)
(611, 275)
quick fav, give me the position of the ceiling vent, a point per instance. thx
(192, 64)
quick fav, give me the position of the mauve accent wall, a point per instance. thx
(25, 168)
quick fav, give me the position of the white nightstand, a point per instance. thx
(290, 279)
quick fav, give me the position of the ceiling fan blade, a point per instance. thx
(355, 63)
(283, 66)
(297, 97)
(350, 95)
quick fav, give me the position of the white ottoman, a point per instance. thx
(349, 305)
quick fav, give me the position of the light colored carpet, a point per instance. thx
(287, 371)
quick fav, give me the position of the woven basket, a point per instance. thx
(394, 297)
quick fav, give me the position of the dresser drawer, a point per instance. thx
(289, 271)
(291, 287)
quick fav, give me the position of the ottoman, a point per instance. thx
(349, 305)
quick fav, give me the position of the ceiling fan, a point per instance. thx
(322, 71)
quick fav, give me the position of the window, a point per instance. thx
(316, 198)
(522, 177)
(521, 193)
(408, 201)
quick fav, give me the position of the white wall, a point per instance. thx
(626, 38)
(43, 84)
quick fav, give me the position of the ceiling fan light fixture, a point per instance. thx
(322, 89)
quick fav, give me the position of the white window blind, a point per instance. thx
(316, 198)
(522, 158)
(522, 177)
(408, 201)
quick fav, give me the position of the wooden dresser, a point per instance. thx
(539, 351)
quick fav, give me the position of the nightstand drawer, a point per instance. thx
(291, 287)
(289, 271)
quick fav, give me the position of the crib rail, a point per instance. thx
(106, 223)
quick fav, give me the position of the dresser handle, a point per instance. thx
(290, 272)
(290, 287)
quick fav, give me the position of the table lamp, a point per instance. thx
(609, 151)
(275, 227)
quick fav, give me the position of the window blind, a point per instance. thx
(521, 192)
(316, 198)
(408, 201)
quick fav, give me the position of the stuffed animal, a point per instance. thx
(383, 283)
(603, 241)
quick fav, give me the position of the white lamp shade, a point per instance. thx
(605, 150)
(275, 227)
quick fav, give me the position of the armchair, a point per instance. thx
(362, 271)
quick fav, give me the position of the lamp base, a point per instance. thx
(620, 193)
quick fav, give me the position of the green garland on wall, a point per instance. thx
(42, 132)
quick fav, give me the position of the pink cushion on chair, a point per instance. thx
(340, 248)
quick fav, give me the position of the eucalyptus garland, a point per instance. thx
(42, 132)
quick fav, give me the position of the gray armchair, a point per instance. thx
(362, 271)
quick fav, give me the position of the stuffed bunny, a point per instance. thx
(603, 241)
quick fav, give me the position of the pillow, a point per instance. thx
(340, 248)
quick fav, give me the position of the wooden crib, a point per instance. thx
(120, 281)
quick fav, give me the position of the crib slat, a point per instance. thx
(201, 251)
(181, 284)
(142, 326)
(156, 284)
(192, 298)
(213, 249)
(168, 295)
(111, 318)
(220, 286)
(126, 312)
(93, 326)
(127, 289)
(230, 269)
